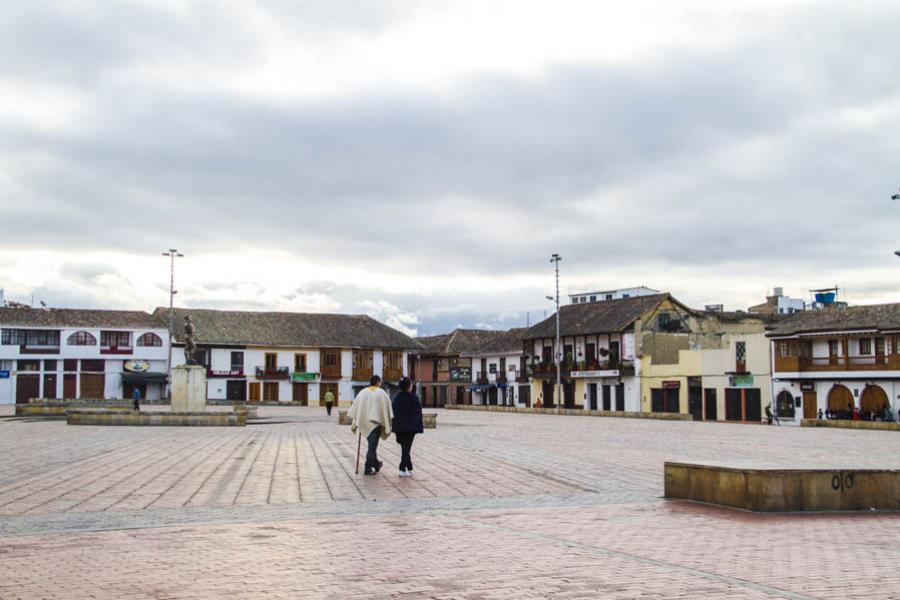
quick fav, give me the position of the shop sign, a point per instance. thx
(4, 374)
(137, 366)
(807, 387)
(671, 385)
(740, 381)
(594, 374)
(461, 374)
(303, 376)
(628, 347)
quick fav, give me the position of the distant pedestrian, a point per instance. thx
(407, 423)
(372, 413)
(768, 413)
(329, 401)
(820, 414)
(136, 396)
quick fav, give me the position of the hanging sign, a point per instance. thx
(137, 366)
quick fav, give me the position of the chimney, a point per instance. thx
(779, 292)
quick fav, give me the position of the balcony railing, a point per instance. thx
(39, 349)
(116, 349)
(362, 374)
(501, 378)
(392, 374)
(276, 373)
(798, 364)
(482, 379)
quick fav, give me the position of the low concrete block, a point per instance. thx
(784, 490)
(161, 419)
(344, 418)
(572, 412)
(59, 408)
(842, 424)
(429, 420)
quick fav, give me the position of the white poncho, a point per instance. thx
(371, 408)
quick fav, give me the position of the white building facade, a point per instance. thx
(842, 361)
(72, 353)
(499, 377)
(294, 357)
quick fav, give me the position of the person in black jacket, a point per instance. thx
(407, 423)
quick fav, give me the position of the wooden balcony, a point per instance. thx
(825, 364)
(362, 374)
(501, 378)
(390, 374)
(331, 372)
(276, 373)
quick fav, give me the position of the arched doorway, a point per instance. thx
(873, 398)
(784, 405)
(839, 398)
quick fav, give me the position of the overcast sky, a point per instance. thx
(421, 161)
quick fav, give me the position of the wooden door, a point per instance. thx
(548, 391)
(254, 391)
(27, 387)
(620, 397)
(270, 391)
(711, 404)
(873, 399)
(301, 393)
(810, 405)
(733, 404)
(236, 391)
(695, 402)
(569, 394)
(50, 386)
(92, 385)
(70, 385)
(840, 398)
(592, 396)
(607, 397)
(753, 405)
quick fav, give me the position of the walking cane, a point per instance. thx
(358, 444)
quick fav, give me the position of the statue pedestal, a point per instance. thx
(189, 389)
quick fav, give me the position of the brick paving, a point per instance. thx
(501, 506)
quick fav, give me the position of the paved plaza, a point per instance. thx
(501, 506)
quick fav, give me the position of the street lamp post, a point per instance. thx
(896, 197)
(173, 253)
(555, 259)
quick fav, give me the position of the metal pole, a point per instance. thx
(172, 254)
(555, 259)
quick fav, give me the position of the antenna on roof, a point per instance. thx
(44, 305)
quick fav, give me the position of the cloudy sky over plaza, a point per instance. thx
(421, 161)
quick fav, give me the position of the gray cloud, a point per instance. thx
(756, 153)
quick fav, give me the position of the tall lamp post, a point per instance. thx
(173, 253)
(555, 260)
(896, 197)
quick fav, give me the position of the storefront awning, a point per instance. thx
(480, 387)
(159, 378)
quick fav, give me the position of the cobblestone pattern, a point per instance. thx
(501, 506)
(661, 550)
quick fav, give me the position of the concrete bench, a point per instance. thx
(344, 418)
(783, 490)
(59, 408)
(162, 419)
(429, 420)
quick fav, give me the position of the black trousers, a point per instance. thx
(372, 453)
(405, 439)
(328, 406)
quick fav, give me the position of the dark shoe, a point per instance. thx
(378, 468)
(369, 472)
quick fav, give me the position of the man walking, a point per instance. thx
(329, 401)
(136, 398)
(372, 413)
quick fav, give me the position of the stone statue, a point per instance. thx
(190, 348)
